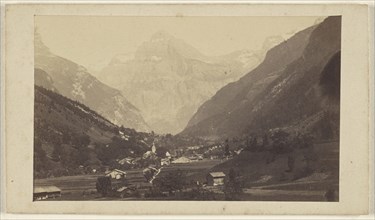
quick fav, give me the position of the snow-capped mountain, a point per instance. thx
(168, 80)
(75, 82)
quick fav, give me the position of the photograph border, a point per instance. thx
(354, 124)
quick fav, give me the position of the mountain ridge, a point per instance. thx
(75, 82)
(167, 79)
(249, 105)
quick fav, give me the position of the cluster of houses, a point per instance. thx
(163, 161)
(213, 178)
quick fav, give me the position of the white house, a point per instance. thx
(116, 174)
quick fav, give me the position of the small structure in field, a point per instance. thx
(153, 148)
(45, 192)
(168, 155)
(116, 174)
(149, 155)
(215, 178)
(127, 160)
(182, 160)
(199, 156)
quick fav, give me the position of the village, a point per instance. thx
(204, 172)
(253, 168)
(130, 180)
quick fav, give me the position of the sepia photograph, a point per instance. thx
(229, 110)
(187, 108)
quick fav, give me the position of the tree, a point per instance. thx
(265, 140)
(226, 149)
(82, 156)
(279, 139)
(232, 175)
(161, 151)
(233, 187)
(172, 181)
(254, 144)
(103, 185)
(40, 157)
(57, 152)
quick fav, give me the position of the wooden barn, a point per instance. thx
(45, 192)
(215, 178)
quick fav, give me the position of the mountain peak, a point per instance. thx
(40, 47)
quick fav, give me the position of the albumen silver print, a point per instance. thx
(187, 108)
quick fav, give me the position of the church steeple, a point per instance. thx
(153, 148)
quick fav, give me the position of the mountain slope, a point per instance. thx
(282, 91)
(167, 79)
(70, 139)
(41, 78)
(68, 136)
(63, 130)
(59, 114)
(73, 81)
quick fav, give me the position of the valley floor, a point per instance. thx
(311, 188)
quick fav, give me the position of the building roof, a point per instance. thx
(182, 160)
(115, 170)
(119, 171)
(46, 189)
(122, 189)
(217, 174)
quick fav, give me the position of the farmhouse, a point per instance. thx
(149, 154)
(168, 155)
(165, 161)
(45, 192)
(127, 160)
(215, 178)
(116, 174)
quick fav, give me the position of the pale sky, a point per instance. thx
(92, 40)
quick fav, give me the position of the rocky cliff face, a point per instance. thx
(285, 90)
(75, 82)
(168, 80)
